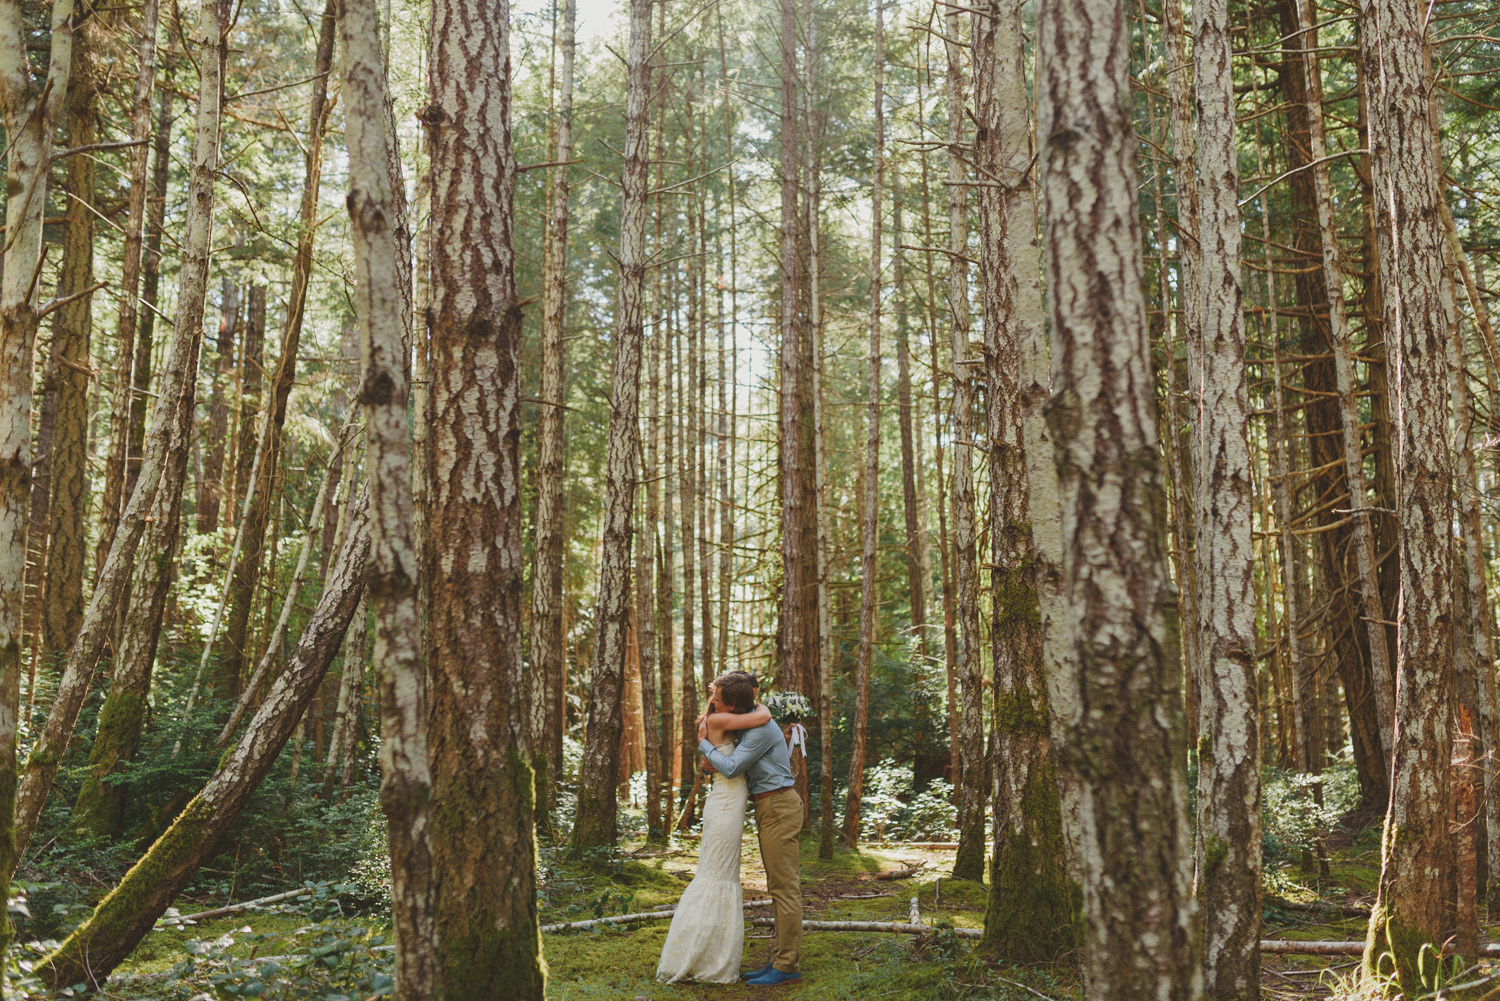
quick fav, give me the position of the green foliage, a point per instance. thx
(892, 809)
(1293, 819)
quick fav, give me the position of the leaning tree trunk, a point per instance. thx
(484, 852)
(129, 911)
(869, 517)
(1411, 914)
(597, 785)
(29, 113)
(548, 673)
(1228, 830)
(1127, 747)
(160, 457)
(1032, 909)
(384, 315)
(969, 861)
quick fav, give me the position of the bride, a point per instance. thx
(706, 937)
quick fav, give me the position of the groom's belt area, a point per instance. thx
(763, 795)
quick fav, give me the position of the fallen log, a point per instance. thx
(1294, 947)
(893, 927)
(631, 919)
(1319, 907)
(902, 873)
(218, 912)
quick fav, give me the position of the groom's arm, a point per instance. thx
(751, 748)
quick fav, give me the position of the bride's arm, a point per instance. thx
(717, 724)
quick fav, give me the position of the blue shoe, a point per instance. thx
(773, 978)
(758, 973)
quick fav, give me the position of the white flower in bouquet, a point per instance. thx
(789, 707)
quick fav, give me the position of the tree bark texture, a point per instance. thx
(483, 846)
(1228, 845)
(67, 549)
(1127, 742)
(1032, 909)
(969, 861)
(548, 669)
(29, 112)
(384, 315)
(1417, 874)
(597, 808)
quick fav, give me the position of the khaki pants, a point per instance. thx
(778, 821)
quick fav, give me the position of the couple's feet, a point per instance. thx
(769, 976)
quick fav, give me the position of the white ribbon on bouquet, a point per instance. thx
(797, 737)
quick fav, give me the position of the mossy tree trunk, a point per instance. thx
(1128, 746)
(1411, 916)
(129, 911)
(1032, 912)
(484, 848)
(595, 825)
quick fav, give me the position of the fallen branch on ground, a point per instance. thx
(1293, 947)
(902, 873)
(631, 919)
(876, 926)
(218, 912)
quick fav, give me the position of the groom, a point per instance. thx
(762, 756)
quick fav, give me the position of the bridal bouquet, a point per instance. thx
(789, 707)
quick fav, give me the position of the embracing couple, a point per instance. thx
(745, 748)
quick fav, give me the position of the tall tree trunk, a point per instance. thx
(129, 911)
(130, 280)
(796, 604)
(596, 816)
(210, 494)
(29, 112)
(1330, 427)
(383, 308)
(1417, 877)
(1228, 847)
(1185, 169)
(1478, 610)
(1128, 747)
(969, 861)
(67, 548)
(916, 561)
(547, 669)
(252, 358)
(1032, 909)
(672, 761)
(869, 607)
(484, 854)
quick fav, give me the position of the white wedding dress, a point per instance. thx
(708, 931)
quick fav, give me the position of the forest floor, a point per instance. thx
(619, 963)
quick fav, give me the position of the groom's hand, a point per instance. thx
(702, 729)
